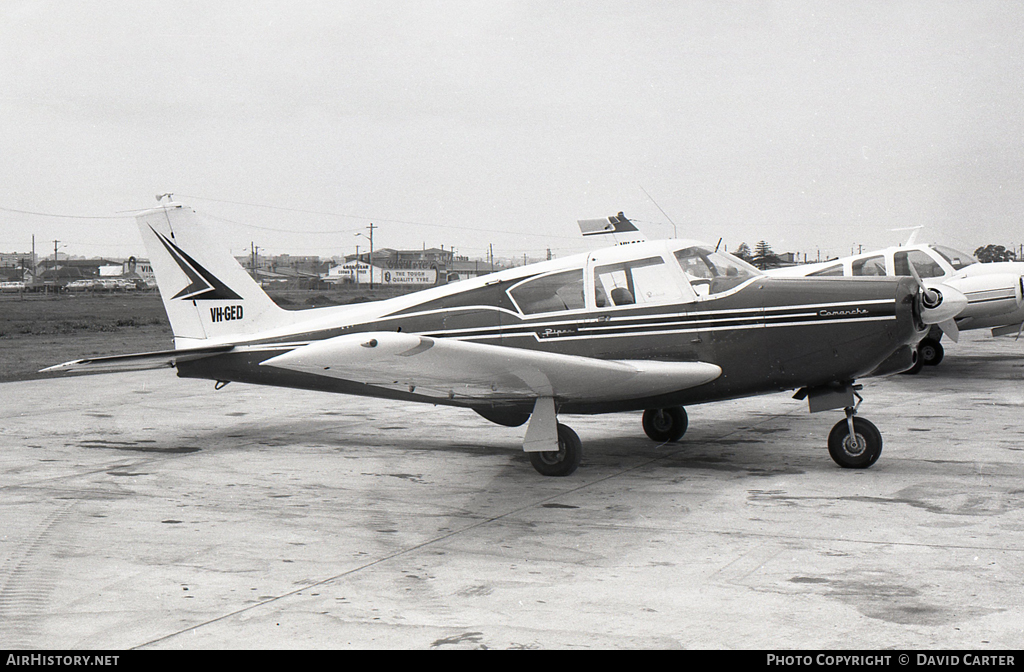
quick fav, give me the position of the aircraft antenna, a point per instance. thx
(674, 233)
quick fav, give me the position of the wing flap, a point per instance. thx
(462, 369)
(136, 362)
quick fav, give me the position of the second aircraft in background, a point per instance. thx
(994, 292)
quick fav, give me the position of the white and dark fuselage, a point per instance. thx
(766, 334)
(649, 326)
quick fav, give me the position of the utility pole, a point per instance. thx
(371, 227)
(255, 260)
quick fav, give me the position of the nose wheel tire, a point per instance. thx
(665, 424)
(857, 451)
(563, 461)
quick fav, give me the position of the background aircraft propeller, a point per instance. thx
(940, 307)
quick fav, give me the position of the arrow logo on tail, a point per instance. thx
(203, 285)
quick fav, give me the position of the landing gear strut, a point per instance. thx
(854, 443)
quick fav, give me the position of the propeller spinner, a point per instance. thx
(940, 306)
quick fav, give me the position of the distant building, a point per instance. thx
(16, 259)
(788, 258)
(463, 268)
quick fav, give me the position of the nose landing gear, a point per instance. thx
(854, 443)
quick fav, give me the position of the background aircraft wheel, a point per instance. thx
(665, 424)
(859, 451)
(563, 461)
(930, 352)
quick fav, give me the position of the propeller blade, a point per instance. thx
(950, 329)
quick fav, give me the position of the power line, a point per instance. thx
(364, 217)
(50, 214)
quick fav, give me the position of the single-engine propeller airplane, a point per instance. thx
(994, 291)
(649, 326)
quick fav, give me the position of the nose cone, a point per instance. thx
(940, 303)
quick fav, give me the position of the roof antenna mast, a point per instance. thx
(674, 233)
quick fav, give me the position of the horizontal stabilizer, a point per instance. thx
(142, 361)
(621, 230)
(461, 369)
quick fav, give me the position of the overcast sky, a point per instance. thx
(816, 126)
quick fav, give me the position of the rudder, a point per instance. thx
(206, 293)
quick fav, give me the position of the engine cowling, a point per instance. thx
(990, 294)
(939, 302)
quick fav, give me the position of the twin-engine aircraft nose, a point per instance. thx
(940, 304)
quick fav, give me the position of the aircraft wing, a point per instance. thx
(449, 368)
(136, 362)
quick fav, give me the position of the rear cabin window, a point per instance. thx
(869, 266)
(638, 281)
(925, 266)
(830, 271)
(550, 293)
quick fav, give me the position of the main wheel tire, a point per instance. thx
(665, 424)
(563, 461)
(930, 352)
(859, 451)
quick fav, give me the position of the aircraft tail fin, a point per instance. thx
(206, 293)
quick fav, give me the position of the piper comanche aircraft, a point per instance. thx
(994, 292)
(650, 326)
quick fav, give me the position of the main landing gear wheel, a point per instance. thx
(665, 424)
(857, 451)
(930, 352)
(563, 461)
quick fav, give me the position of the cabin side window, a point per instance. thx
(869, 266)
(925, 266)
(550, 293)
(638, 281)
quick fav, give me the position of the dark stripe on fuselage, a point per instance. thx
(591, 325)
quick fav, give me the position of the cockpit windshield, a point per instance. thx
(712, 272)
(956, 258)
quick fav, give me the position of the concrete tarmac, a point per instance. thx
(143, 511)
